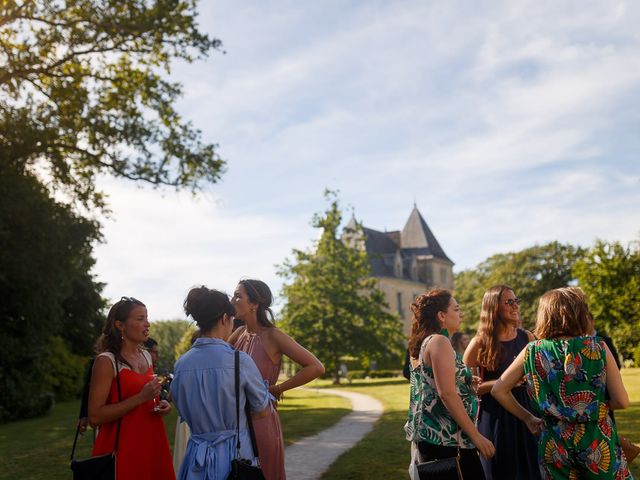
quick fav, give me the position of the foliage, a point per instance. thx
(333, 307)
(359, 374)
(82, 93)
(610, 276)
(530, 272)
(185, 342)
(168, 334)
(65, 371)
(45, 254)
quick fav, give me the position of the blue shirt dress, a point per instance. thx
(203, 391)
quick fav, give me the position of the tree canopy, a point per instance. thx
(46, 291)
(82, 93)
(530, 272)
(609, 273)
(332, 304)
(168, 334)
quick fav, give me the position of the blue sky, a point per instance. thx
(508, 123)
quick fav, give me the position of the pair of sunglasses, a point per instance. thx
(130, 300)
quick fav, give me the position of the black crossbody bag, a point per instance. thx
(242, 468)
(102, 467)
(440, 469)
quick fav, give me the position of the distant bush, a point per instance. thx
(64, 370)
(354, 374)
(636, 356)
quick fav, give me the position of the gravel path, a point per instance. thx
(309, 457)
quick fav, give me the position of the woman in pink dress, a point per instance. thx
(266, 344)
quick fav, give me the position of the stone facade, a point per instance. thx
(405, 263)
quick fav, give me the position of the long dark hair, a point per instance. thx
(425, 322)
(260, 294)
(491, 323)
(207, 306)
(110, 339)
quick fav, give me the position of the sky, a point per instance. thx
(508, 124)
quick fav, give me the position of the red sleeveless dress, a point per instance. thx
(143, 449)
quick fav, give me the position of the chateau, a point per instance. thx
(406, 263)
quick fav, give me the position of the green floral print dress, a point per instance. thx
(566, 380)
(429, 420)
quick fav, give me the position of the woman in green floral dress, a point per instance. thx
(443, 403)
(567, 372)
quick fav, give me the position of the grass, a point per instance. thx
(39, 448)
(628, 420)
(384, 453)
(307, 412)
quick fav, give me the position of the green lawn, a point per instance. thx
(307, 412)
(384, 453)
(39, 449)
(628, 420)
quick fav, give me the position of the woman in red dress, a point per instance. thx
(143, 450)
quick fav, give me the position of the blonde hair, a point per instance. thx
(563, 312)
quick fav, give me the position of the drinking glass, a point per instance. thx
(156, 400)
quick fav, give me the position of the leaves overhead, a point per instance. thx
(82, 93)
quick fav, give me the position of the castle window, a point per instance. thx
(399, 301)
(443, 275)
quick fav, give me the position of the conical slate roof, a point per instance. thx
(417, 237)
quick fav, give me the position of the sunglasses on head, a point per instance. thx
(130, 300)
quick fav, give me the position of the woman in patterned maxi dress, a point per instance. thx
(442, 403)
(266, 344)
(567, 372)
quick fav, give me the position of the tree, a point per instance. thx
(333, 306)
(81, 93)
(45, 254)
(530, 272)
(610, 276)
(168, 334)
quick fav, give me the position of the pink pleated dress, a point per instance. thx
(268, 429)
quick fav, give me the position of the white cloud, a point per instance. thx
(501, 121)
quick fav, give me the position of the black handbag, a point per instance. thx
(441, 469)
(102, 467)
(241, 468)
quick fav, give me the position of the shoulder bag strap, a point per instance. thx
(75, 439)
(237, 382)
(119, 400)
